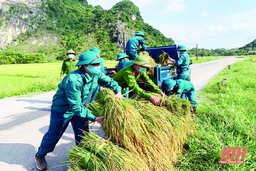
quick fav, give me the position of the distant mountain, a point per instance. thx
(52, 27)
(250, 48)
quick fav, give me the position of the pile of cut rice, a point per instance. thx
(139, 135)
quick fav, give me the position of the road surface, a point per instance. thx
(25, 119)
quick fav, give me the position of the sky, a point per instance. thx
(208, 24)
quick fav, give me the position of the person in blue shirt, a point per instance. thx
(179, 87)
(124, 61)
(182, 63)
(133, 44)
(70, 102)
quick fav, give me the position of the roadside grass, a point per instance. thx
(226, 117)
(206, 59)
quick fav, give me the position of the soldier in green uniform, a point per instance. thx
(129, 76)
(182, 63)
(123, 61)
(69, 64)
(179, 87)
(133, 44)
(69, 104)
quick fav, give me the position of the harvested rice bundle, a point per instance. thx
(167, 131)
(97, 154)
(173, 105)
(188, 122)
(96, 108)
(150, 132)
(164, 59)
(126, 127)
(123, 124)
(177, 106)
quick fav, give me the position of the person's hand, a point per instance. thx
(119, 96)
(155, 100)
(61, 78)
(162, 93)
(99, 119)
(170, 63)
(112, 72)
(171, 59)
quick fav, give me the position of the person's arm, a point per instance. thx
(150, 83)
(180, 89)
(132, 84)
(143, 44)
(179, 61)
(109, 82)
(73, 89)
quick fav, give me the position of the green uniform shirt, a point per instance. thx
(183, 86)
(186, 87)
(126, 78)
(182, 64)
(75, 91)
(68, 66)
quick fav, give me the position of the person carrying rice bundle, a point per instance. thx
(179, 87)
(70, 103)
(130, 76)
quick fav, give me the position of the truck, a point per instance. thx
(163, 72)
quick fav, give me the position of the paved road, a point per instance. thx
(25, 119)
(204, 72)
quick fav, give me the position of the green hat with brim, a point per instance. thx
(182, 47)
(71, 52)
(168, 84)
(121, 56)
(95, 50)
(140, 33)
(89, 57)
(142, 60)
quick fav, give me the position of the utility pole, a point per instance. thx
(196, 53)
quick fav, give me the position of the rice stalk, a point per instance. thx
(96, 154)
(154, 134)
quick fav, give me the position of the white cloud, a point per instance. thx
(144, 4)
(174, 6)
(229, 31)
(241, 26)
(204, 13)
(160, 8)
